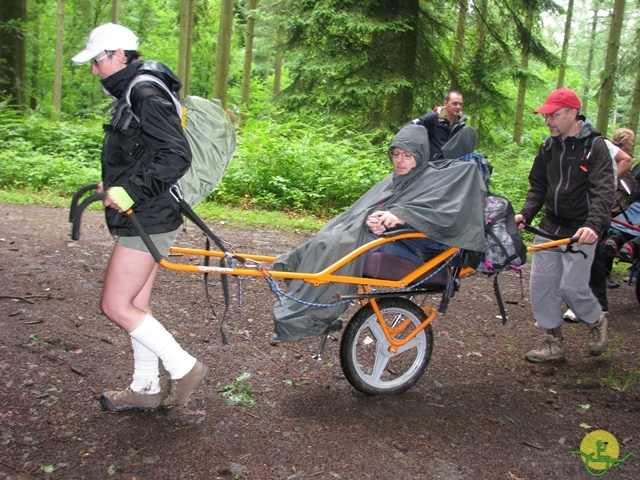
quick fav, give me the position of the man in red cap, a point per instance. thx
(576, 186)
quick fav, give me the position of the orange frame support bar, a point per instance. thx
(325, 276)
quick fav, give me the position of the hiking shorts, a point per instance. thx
(162, 241)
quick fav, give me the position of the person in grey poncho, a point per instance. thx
(442, 201)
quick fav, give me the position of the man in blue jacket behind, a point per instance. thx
(449, 135)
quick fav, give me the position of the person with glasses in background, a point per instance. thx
(149, 125)
(576, 189)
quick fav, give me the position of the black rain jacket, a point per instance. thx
(576, 187)
(145, 153)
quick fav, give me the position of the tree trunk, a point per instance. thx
(186, 80)
(459, 40)
(57, 76)
(248, 57)
(565, 45)
(184, 45)
(34, 67)
(223, 52)
(610, 66)
(592, 43)
(277, 69)
(115, 12)
(13, 57)
(397, 108)
(522, 87)
(481, 27)
(634, 113)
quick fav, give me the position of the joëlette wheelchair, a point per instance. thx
(387, 344)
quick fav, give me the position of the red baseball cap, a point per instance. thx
(560, 98)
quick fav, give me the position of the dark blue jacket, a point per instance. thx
(440, 131)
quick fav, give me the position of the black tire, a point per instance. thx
(364, 350)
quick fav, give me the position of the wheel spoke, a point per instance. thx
(382, 344)
(380, 361)
(416, 342)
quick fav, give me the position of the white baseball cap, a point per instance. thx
(106, 37)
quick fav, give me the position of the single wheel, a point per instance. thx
(365, 354)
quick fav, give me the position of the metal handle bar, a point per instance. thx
(543, 233)
(76, 210)
(556, 240)
(75, 215)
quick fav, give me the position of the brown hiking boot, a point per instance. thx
(127, 399)
(182, 388)
(598, 335)
(551, 351)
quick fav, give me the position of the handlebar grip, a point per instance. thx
(76, 198)
(76, 210)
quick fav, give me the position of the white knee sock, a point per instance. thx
(156, 338)
(146, 374)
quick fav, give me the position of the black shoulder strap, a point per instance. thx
(546, 148)
(140, 92)
(588, 144)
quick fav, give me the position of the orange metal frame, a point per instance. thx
(328, 275)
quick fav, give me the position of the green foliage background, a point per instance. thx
(321, 143)
(297, 167)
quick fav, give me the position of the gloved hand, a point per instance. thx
(121, 197)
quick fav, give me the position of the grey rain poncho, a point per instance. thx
(443, 201)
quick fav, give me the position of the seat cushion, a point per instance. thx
(389, 267)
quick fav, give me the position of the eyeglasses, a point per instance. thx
(404, 155)
(96, 61)
(553, 116)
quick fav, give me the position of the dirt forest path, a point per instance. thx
(479, 412)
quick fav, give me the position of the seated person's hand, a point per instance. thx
(520, 220)
(378, 222)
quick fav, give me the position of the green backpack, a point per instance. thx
(211, 136)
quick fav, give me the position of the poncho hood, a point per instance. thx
(415, 139)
